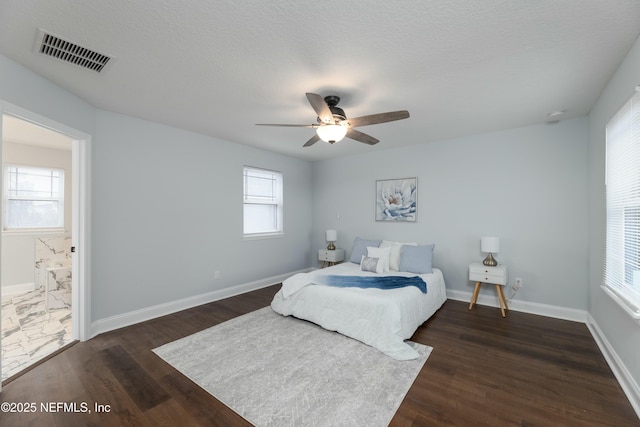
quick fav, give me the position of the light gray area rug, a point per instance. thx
(281, 371)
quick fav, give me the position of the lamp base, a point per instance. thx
(490, 261)
(331, 246)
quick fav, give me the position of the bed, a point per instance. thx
(381, 318)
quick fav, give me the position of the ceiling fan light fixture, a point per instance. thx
(332, 124)
(331, 133)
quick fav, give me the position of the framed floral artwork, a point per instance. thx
(397, 200)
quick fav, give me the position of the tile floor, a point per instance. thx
(29, 331)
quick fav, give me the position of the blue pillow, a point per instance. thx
(360, 248)
(416, 259)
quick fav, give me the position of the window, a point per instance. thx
(262, 202)
(622, 253)
(33, 197)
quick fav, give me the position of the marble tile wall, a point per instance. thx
(50, 252)
(53, 267)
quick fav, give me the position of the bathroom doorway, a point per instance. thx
(37, 284)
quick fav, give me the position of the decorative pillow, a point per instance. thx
(371, 264)
(394, 259)
(416, 259)
(360, 248)
(381, 253)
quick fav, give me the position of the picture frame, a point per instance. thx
(397, 200)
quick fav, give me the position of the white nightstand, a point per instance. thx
(481, 273)
(330, 257)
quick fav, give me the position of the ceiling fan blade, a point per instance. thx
(374, 119)
(285, 125)
(320, 107)
(315, 138)
(362, 137)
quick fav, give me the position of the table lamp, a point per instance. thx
(492, 246)
(331, 236)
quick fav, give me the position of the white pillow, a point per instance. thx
(394, 257)
(382, 253)
(373, 265)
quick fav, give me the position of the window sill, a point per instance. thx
(262, 236)
(629, 306)
(35, 232)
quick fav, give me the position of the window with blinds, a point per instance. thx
(263, 204)
(33, 198)
(622, 253)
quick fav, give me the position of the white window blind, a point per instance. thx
(263, 204)
(622, 254)
(33, 197)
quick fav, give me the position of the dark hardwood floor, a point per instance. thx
(484, 371)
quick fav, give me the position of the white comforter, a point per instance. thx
(380, 318)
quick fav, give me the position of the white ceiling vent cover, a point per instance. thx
(56, 47)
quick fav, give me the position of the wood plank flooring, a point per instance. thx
(484, 371)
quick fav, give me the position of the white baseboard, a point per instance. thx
(126, 319)
(20, 288)
(628, 384)
(626, 381)
(524, 306)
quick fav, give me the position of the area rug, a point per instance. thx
(281, 371)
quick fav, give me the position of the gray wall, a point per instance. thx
(167, 213)
(525, 185)
(22, 87)
(620, 330)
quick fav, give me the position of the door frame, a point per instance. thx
(80, 215)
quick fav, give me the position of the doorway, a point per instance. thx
(42, 282)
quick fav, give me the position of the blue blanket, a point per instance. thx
(379, 282)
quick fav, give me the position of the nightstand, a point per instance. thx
(330, 257)
(480, 274)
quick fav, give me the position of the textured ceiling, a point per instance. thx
(459, 67)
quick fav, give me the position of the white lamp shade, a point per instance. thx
(331, 235)
(331, 133)
(490, 244)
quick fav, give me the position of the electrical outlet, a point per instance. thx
(216, 275)
(517, 284)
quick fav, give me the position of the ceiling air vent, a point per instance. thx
(56, 47)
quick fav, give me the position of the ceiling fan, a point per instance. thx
(333, 124)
